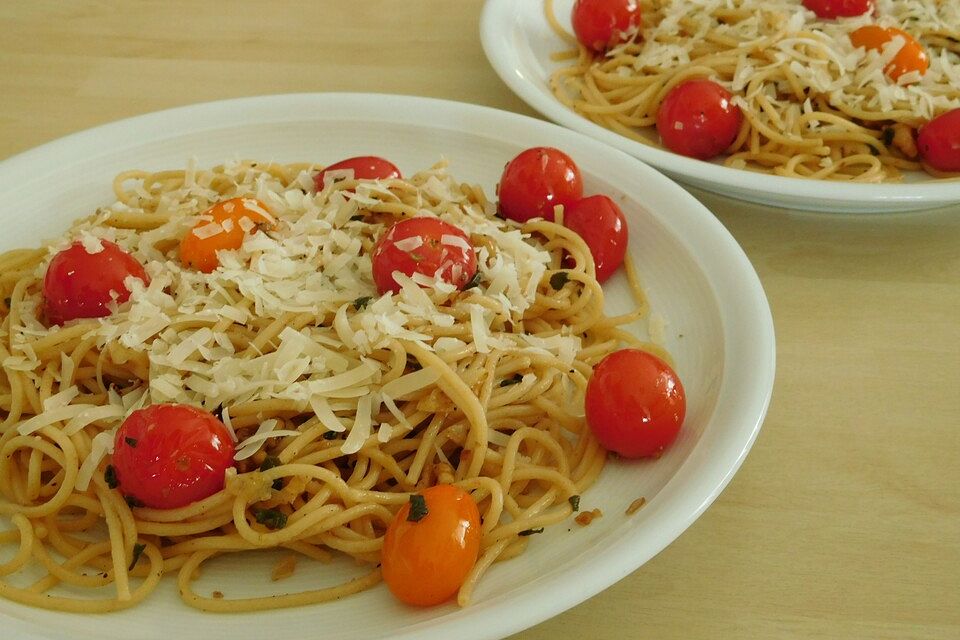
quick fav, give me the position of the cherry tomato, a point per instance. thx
(425, 562)
(364, 168)
(939, 141)
(698, 119)
(600, 222)
(79, 284)
(831, 9)
(423, 245)
(169, 455)
(201, 252)
(601, 24)
(635, 403)
(536, 181)
(911, 56)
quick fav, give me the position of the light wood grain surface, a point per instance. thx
(844, 521)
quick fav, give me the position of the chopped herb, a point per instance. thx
(474, 282)
(132, 502)
(269, 463)
(358, 218)
(574, 502)
(271, 518)
(416, 256)
(110, 475)
(559, 279)
(362, 302)
(131, 441)
(514, 379)
(530, 532)
(7, 302)
(887, 135)
(137, 552)
(330, 435)
(418, 508)
(413, 364)
(874, 151)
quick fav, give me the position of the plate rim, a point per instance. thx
(505, 62)
(753, 360)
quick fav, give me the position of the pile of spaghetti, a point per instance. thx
(814, 106)
(357, 399)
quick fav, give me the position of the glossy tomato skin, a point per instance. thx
(537, 180)
(170, 455)
(363, 167)
(424, 563)
(635, 403)
(601, 24)
(78, 284)
(601, 224)
(201, 253)
(456, 263)
(830, 9)
(698, 119)
(939, 141)
(911, 57)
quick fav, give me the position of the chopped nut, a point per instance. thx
(636, 505)
(586, 517)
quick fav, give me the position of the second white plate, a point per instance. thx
(518, 42)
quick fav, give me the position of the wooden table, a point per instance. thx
(844, 522)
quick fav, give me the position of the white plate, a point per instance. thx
(518, 42)
(696, 275)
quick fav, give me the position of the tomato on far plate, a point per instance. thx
(830, 9)
(910, 57)
(600, 222)
(939, 141)
(170, 455)
(537, 180)
(423, 245)
(431, 545)
(635, 403)
(697, 118)
(601, 24)
(80, 284)
(363, 168)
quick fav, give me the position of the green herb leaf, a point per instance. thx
(559, 279)
(359, 217)
(574, 502)
(418, 508)
(132, 502)
(361, 302)
(514, 379)
(474, 282)
(110, 476)
(330, 435)
(131, 441)
(269, 463)
(530, 532)
(887, 135)
(137, 552)
(7, 302)
(272, 519)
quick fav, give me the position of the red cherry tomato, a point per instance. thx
(698, 119)
(425, 562)
(600, 222)
(830, 9)
(635, 403)
(423, 245)
(536, 181)
(363, 167)
(201, 253)
(601, 24)
(79, 284)
(939, 141)
(911, 56)
(169, 455)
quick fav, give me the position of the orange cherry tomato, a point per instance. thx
(425, 561)
(911, 56)
(199, 250)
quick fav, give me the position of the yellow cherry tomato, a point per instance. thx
(198, 249)
(911, 56)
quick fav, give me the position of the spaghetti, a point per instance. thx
(356, 400)
(814, 106)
